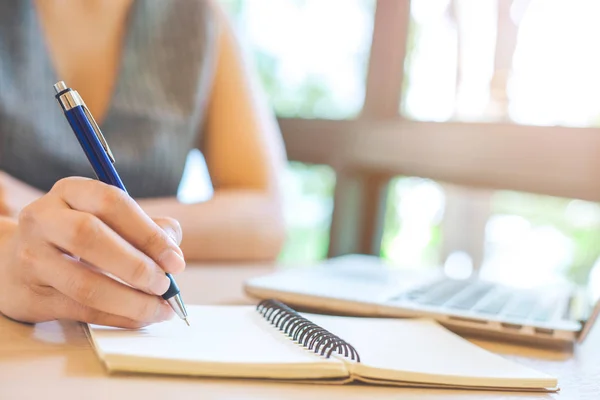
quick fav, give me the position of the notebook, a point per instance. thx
(273, 341)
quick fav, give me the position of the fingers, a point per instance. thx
(63, 307)
(171, 227)
(97, 294)
(123, 215)
(87, 237)
(102, 225)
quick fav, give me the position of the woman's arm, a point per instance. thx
(245, 157)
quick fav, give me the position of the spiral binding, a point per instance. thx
(304, 332)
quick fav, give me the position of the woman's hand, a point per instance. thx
(56, 262)
(14, 195)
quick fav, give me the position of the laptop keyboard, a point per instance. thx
(484, 297)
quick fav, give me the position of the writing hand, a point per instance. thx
(58, 261)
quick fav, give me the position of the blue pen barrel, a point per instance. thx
(101, 163)
(96, 155)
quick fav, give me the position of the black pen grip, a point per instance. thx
(173, 288)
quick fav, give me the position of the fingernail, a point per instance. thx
(172, 235)
(161, 283)
(171, 261)
(163, 313)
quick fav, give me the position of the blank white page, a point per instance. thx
(422, 351)
(234, 341)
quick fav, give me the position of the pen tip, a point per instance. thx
(186, 321)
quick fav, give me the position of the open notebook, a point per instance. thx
(272, 341)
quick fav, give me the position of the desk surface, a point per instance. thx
(54, 360)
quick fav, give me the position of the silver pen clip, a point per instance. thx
(98, 133)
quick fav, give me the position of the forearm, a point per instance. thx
(235, 225)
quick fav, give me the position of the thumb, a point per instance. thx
(171, 228)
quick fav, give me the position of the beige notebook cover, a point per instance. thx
(251, 342)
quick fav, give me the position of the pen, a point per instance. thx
(101, 158)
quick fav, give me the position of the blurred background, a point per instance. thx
(455, 133)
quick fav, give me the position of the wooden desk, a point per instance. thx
(54, 361)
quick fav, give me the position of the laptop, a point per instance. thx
(360, 285)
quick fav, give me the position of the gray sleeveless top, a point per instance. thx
(157, 107)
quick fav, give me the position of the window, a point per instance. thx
(442, 129)
(412, 234)
(519, 238)
(311, 55)
(540, 238)
(489, 60)
(308, 210)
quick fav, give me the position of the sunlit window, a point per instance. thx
(528, 62)
(529, 239)
(311, 55)
(531, 63)
(555, 79)
(308, 191)
(541, 238)
(412, 229)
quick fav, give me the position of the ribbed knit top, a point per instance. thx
(157, 108)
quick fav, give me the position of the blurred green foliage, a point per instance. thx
(540, 210)
(393, 225)
(308, 242)
(310, 98)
